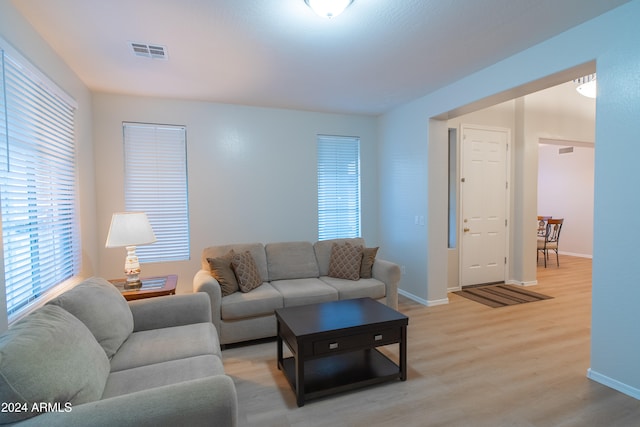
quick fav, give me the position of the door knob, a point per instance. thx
(465, 229)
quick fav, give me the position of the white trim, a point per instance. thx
(433, 303)
(565, 142)
(412, 297)
(423, 301)
(577, 255)
(518, 283)
(614, 384)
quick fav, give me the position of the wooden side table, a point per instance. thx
(151, 287)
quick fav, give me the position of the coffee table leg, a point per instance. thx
(403, 354)
(279, 348)
(299, 379)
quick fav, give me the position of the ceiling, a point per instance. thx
(278, 53)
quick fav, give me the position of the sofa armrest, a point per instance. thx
(389, 273)
(201, 402)
(204, 282)
(169, 310)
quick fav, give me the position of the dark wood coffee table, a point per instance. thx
(334, 346)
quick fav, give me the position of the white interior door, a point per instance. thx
(484, 198)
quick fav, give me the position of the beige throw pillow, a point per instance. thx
(345, 261)
(246, 271)
(221, 271)
(368, 258)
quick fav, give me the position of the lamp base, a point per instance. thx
(133, 284)
(132, 269)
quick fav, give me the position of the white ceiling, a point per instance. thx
(278, 53)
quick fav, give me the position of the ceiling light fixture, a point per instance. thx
(328, 8)
(588, 86)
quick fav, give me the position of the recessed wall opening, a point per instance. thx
(523, 181)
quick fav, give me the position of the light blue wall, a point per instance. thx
(252, 173)
(615, 348)
(410, 144)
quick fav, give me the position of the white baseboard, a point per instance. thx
(614, 384)
(422, 300)
(590, 256)
(518, 283)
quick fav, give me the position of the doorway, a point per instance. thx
(558, 110)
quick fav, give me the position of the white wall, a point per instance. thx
(412, 136)
(565, 190)
(252, 173)
(565, 182)
(16, 31)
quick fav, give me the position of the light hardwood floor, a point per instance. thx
(469, 365)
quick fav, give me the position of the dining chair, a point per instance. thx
(551, 240)
(542, 225)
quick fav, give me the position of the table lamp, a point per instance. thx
(130, 229)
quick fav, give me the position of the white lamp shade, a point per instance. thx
(328, 8)
(129, 229)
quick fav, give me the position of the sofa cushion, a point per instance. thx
(323, 249)
(349, 289)
(345, 261)
(102, 308)
(221, 271)
(291, 260)
(50, 356)
(368, 258)
(246, 271)
(161, 345)
(260, 301)
(304, 291)
(162, 374)
(256, 249)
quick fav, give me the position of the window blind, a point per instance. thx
(40, 233)
(338, 187)
(156, 183)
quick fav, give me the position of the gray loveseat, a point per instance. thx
(292, 273)
(89, 358)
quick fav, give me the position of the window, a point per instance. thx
(40, 233)
(453, 187)
(338, 187)
(155, 159)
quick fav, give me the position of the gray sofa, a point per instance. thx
(89, 358)
(293, 273)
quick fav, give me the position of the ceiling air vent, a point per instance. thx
(565, 150)
(153, 51)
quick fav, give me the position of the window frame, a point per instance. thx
(143, 172)
(339, 187)
(40, 238)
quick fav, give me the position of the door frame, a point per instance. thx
(508, 207)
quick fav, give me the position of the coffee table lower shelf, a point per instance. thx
(341, 372)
